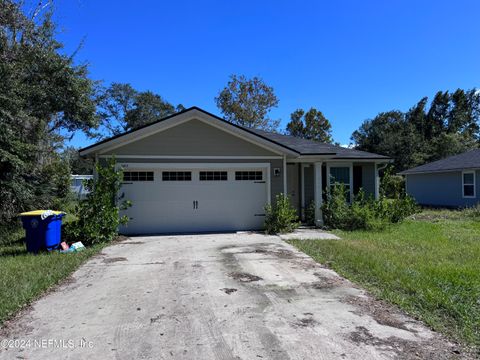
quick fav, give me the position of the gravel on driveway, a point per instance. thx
(217, 296)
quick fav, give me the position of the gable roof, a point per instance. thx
(467, 160)
(289, 144)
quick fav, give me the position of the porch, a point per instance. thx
(307, 182)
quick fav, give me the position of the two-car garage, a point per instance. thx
(195, 197)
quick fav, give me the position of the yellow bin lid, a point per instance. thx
(40, 212)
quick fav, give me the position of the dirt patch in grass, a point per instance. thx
(405, 349)
(381, 312)
(114, 259)
(244, 277)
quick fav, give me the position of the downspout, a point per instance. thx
(377, 178)
(284, 175)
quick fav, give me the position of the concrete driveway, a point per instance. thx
(221, 296)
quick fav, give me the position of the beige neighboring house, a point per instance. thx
(195, 172)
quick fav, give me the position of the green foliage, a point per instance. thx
(392, 186)
(247, 102)
(98, 215)
(122, 108)
(335, 210)
(310, 213)
(311, 125)
(423, 134)
(364, 212)
(44, 96)
(78, 165)
(281, 217)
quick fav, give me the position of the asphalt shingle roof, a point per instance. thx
(467, 160)
(310, 147)
(299, 145)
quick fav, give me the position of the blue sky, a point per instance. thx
(350, 59)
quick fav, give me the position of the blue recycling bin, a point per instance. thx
(43, 229)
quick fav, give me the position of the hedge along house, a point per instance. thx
(450, 182)
(195, 172)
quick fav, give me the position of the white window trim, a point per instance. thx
(474, 184)
(341, 164)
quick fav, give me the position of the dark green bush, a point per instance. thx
(364, 212)
(336, 210)
(392, 186)
(98, 215)
(310, 214)
(281, 217)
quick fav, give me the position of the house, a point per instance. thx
(194, 171)
(77, 187)
(450, 182)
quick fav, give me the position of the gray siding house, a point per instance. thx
(450, 182)
(194, 171)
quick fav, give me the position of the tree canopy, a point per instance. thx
(449, 126)
(247, 102)
(44, 96)
(311, 125)
(122, 108)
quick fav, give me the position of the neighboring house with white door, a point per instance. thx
(450, 182)
(194, 171)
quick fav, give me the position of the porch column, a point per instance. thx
(377, 181)
(317, 177)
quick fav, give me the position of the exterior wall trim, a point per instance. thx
(120, 156)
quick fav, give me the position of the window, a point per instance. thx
(213, 176)
(176, 175)
(248, 175)
(468, 182)
(138, 176)
(341, 175)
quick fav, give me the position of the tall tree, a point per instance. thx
(247, 102)
(450, 125)
(311, 125)
(44, 96)
(122, 108)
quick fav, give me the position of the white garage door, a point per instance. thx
(177, 199)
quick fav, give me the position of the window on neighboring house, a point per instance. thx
(213, 176)
(468, 184)
(249, 175)
(176, 176)
(137, 176)
(341, 175)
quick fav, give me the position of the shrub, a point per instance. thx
(392, 186)
(310, 214)
(98, 215)
(336, 210)
(281, 217)
(364, 212)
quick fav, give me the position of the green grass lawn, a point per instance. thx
(429, 266)
(24, 277)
